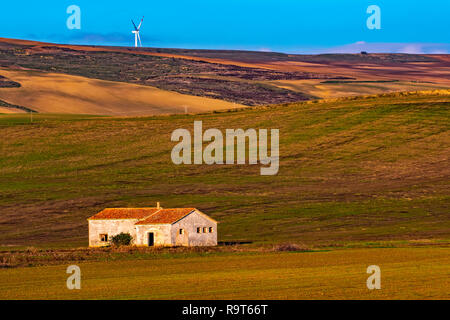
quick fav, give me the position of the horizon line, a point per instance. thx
(267, 51)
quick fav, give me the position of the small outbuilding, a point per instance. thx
(154, 226)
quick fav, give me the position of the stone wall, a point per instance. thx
(111, 228)
(161, 234)
(190, 224)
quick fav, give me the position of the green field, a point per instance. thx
(353, 170)
(406, 273)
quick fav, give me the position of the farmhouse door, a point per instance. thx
(182, 238)
(151, 239)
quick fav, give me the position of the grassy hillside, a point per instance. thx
(344, 88)
(351, 170)
(60, 93)
(12, 108)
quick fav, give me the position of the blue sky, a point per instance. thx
(300, 26)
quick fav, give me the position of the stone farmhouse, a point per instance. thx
(154, 226)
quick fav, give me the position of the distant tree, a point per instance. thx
(363, 52)
(122, 239)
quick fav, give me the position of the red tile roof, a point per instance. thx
(124, 213)
(166, 216)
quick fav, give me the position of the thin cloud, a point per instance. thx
(381, 47)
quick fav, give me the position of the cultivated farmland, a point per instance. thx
(351, 170)
(407, 273)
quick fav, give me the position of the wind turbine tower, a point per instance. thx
(136, 33)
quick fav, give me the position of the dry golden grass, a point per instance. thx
(336, 90)
(406, 273)
(10, 110)
(59, 93)
(428, 72)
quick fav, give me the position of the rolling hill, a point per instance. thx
(146, 81)
(352, 170)
(46, 92)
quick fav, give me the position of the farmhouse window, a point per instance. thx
(104, 238)
(199, 230)
(181, 231)
(210, 229)
(205, 230)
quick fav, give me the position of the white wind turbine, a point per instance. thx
(136, 33)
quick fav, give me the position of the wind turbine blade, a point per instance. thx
(135, 28)
(140, 24)
(139, 39)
